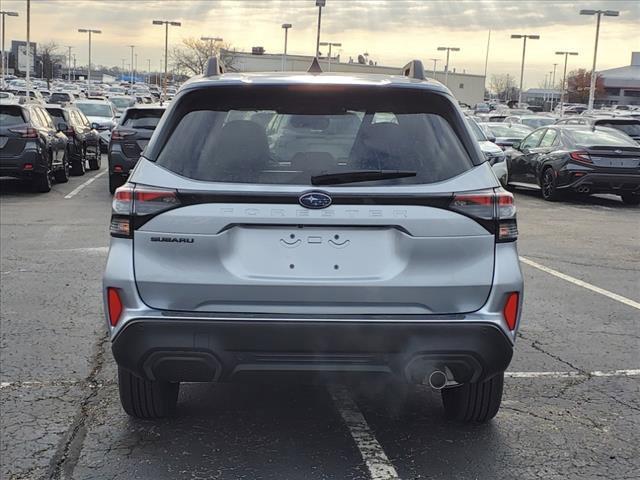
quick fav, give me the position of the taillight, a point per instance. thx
(114, 305)
(121, 134)
(70, 133)
(580, 156)
(510, 310)
(25, 132)
(495, 210)
(133, 204)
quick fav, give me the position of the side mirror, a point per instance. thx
(62, 127)
(491, 139)
(516, 146)
(94, 126)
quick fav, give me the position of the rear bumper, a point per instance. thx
(118, 159)
(13, 166)
(176, 349)
(605, 183)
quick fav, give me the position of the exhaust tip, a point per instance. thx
(437, 379)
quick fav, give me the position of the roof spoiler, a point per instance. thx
(414, 69)
(214, 67)
(315, 66)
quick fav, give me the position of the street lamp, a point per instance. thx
(211, 41)
(446, 67)
(149, 71)
(435, 62)
(131, 70)
(564, 77)
(598, 13)
(524, 49)
(166, 24)
(553, 85)
(319, 4)
(5, 60)
(330, 44)
(286, 27)
(89, 31)
(69, 64)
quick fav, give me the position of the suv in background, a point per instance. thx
(61, 98)
(628, 125)
(31, 147)
(129, 139)
(397, 259)
(102, 115)
(83, 141)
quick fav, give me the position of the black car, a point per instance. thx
(505, 134)
(628, 125)
(83, 141)
(31, 148)
(129, 139)
(577, 158)
(61, 98)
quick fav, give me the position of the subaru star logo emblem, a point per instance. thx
(315, 200)
(617, 151)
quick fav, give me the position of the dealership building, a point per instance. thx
(465, 87)
(622, 85)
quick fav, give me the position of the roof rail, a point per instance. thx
(315, 66)
(214, 67)
(414, 69)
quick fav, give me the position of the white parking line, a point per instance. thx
(378, 465)
(580, 283)
(573, 374)
(79, 188)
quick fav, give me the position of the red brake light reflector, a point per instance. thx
(115, 305)
(25, 132)
(510, 311)
(580, 156)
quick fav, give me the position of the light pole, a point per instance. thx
(598, 14)
(319, 4)
(524, 49)
(486, 60)
(5, 60)
(564, 77)
(28, 76)
(286, 27)
(553, 85)
(131, 70)
(166, 24)
(89, 31)
(148, 71)
(211, 41)
(446, 67)
(435, 62)
(330, 44)
(135, 68)
(69, 64)
(74, 67)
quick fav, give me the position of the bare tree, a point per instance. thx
(191, 57)
(47, 51)
(503, 86)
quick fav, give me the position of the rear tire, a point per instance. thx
(548, 185)
(78, 166)
(115, 181)
(62, 175)
(142, 398)
(630, 199)
(474, 402)
(94, 163)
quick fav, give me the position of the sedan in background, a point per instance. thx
(626, 124)
(580, 159)
(102, 115)
(533, 121)
(83, 141)
(129, 139)
(505, 134)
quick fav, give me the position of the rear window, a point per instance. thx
(274, 135)
(538, 122)
(59, 97)
(95, 109)
(631, 128)
(10, 116)
(505, 130)
(599, 137)
(57, 115)
(143, 119)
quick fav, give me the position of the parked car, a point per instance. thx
(83, 141)
(481, 108)
(102, 115)
(121, 103)
(34, 96)
(7, 97)
(31, 147)
(61, 98)
(129, 139)
(505, 134)
(576, 158)
(626, 124)
(496, 116)
(247, 266)
(533, 121)
(492, 152)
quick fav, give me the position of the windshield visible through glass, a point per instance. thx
(95, 109)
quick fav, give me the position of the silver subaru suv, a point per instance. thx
(313, 226)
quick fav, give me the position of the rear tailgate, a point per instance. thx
(365, 254)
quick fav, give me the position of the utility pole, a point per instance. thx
(330, 44)
(564, 78)
(89, 31)
(28, 77)
(286, 27)
(131, 71)
(5, 59)
(319, 4)
(69, 63)
(446, 67)
(435, 62)
(486, 60)
(553, 85)
(524, 50)
(166, 23)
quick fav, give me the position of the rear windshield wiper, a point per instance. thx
(359, 176)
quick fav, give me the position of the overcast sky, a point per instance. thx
(391, 31)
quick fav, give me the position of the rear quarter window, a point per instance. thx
(279, 136)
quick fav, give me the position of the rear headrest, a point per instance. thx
(243, 147)
(383, 146)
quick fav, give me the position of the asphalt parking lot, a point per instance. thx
(571, 406)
